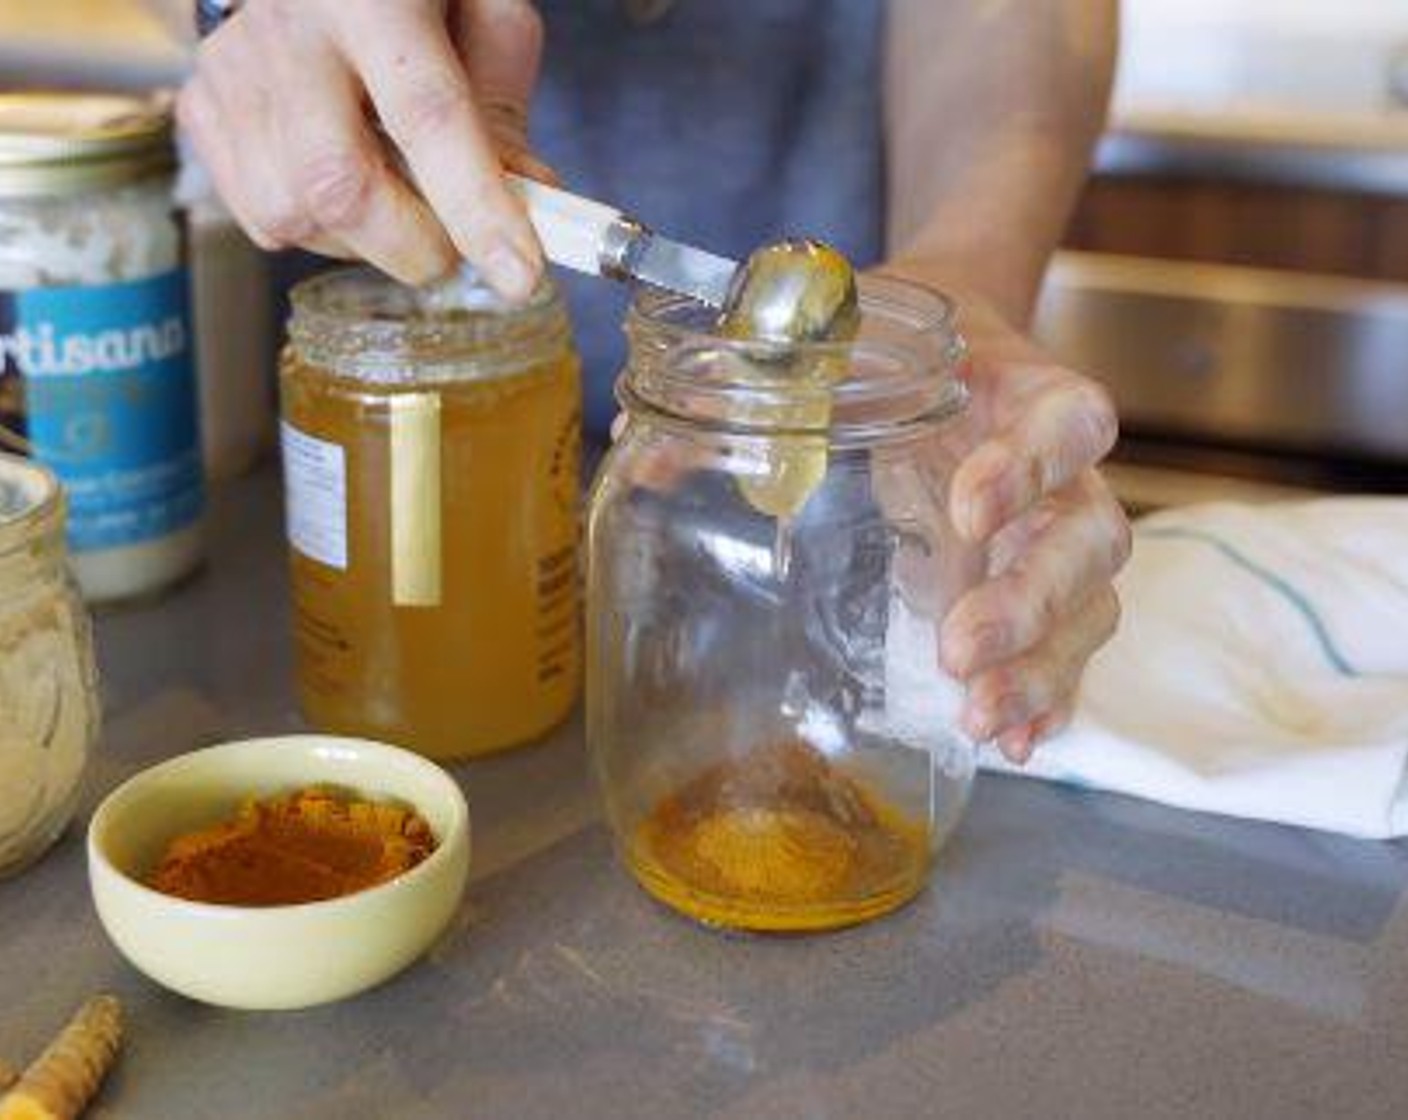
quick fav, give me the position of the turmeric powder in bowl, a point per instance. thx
(280, 957)
(308, 846)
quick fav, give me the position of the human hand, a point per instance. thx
(1056, 537)
(275, 110)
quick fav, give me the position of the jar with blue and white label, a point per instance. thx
(97, 373)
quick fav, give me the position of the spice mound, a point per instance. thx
(779, 839)
(306, 847)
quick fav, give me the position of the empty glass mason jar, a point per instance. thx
(770, 557)
(48, 684)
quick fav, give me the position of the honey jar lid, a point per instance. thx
(55, 143)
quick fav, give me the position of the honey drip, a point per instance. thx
(795, 291)
(779, 839)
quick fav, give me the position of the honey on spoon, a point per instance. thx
(792, 293)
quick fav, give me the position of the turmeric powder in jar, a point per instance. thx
(431, 463)
(779, 839)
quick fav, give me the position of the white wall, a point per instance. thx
(1281, 54)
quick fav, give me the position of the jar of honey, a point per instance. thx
(770, 558)
(431, 468)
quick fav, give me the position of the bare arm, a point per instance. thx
(992, 110)
(993, 107)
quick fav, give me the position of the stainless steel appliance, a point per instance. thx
(1233, 381)
(1286, 380)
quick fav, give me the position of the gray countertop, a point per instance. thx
(1076, 955)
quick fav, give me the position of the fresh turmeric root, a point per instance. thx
(64, 1078)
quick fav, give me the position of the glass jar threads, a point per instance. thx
(770, 556)
(48, 685)
(431, 465)
(97, 378)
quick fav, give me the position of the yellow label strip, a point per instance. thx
(415, 499)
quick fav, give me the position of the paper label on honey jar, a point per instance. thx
(315, 496)
(415, 499)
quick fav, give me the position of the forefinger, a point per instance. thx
(329, 154)
(422, 95)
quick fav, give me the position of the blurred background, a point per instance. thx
(1238, 267)
(1237, 270)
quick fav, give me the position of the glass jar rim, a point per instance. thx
(361, 324)
(909, 345)
(931, 315)
(31, 501)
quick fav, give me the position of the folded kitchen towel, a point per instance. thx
(1260, 670)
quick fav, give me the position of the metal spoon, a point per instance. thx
(793, 292)
(797, 290)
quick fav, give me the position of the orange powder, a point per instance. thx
(779, 839)
(305, 847)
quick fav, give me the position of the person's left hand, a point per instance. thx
(1056, 537)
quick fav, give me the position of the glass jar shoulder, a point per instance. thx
(671, 460)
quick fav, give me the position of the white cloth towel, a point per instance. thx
(1261, 668)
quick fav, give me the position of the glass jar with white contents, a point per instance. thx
(97, 379)
(770, 558)
(48, 685)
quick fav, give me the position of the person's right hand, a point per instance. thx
(293, 103)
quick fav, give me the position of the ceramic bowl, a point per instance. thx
(277, 957)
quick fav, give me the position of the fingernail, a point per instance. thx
(509, 271)
(981, 723)
(981, 510)
(1017, 746)
(965, 517)
(977, 512)
(988, 721)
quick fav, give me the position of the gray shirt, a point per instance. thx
(727, 123)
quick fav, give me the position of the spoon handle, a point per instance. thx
(599, 240)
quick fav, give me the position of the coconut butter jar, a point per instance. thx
(431, 472)
(98, 380)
